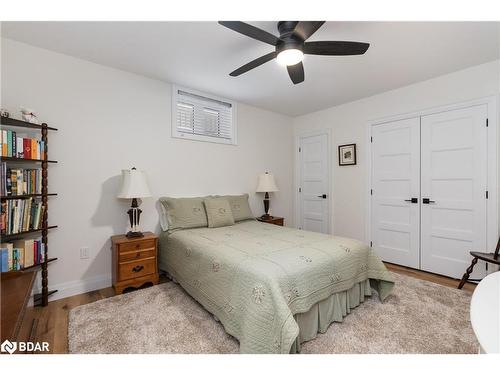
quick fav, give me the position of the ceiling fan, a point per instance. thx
(291, 45)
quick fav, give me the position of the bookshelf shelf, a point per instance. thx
(42, 298)
(9, 158)
(8, 237)
(31, 268)
(7, 121)
(24, 196)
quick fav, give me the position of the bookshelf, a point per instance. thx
(43, 230)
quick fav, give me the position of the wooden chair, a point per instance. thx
(487, 257)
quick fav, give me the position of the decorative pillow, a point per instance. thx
(239, 206)
(183, 213)
(219, 212)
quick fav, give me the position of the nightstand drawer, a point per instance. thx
(136, 245)
(136, 254)
(134, 269)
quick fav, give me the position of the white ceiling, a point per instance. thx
(200, 55)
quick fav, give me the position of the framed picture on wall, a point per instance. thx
(347, 154)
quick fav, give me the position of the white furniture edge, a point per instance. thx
(483, 316)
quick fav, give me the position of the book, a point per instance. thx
(9, 143)
(42, 150)
(27, 148)
(15, 259)
(26, 247)
(19, 181)
(10, 249)
(4, 259)
(14, 144)
(5, 141)
(3, 217)
(42, 252)
(21, 215)
(20, 148)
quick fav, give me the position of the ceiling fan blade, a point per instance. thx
(335, 48)
(253, 64)
(296, 72)
(251, 31)
(304, 29)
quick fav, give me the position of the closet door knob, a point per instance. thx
(427, 201)
(412, 200)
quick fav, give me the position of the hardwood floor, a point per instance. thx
(53, 320)
(438, 279)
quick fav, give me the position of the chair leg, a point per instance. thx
(467, 273)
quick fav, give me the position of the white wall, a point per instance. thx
(349, 125)
(109, 120)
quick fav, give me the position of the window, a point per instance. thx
(202, 117)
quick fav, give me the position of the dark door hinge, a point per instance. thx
(371, 191)
(300, 149)
(486, 122)
(371, 139)
(487, 195)
(300, 190)
(371, 243)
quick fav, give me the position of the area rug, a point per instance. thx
(419, 317)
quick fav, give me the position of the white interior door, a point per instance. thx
(454, 180)
(314, 176)
(395, 181)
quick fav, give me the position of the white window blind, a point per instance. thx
(201, 117)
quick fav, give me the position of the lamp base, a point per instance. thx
(131, 234)
(266, 206)
(266, 216)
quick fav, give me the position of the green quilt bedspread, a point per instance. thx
(255, 276)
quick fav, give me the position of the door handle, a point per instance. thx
(322, 196)
(427, 201)
(412, 200)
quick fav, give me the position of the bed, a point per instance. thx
(272, 287)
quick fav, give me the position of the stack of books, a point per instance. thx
(15, 256)
(19, 181)
(20, 215)
(13, 145)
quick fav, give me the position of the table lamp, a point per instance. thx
(266, 185)
(134, 185)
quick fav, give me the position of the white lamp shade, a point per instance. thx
(266, 183)
(134, 184)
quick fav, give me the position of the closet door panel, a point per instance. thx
(395, 180)
(453, 178)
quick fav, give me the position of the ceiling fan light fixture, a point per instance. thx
(290, 56)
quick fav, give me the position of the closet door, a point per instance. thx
(396, 191)
(453, 189)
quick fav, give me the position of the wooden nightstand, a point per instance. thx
(272, 220)
(134, 261)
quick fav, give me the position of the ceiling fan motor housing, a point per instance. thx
(288, 40)
(286, 27)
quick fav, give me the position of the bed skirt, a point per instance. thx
(327, 311)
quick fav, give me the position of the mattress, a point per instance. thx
(258, 278)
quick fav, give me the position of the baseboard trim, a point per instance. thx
(75, 287)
